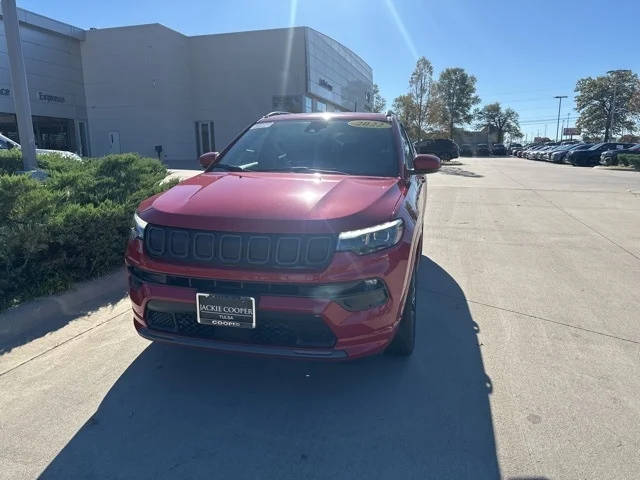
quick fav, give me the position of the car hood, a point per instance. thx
(275, 202)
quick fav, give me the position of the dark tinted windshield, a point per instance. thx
(356, 147)
(597, 146)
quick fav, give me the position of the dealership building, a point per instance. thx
(152, 90)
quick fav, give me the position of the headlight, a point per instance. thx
(371, 239)
(137, 230)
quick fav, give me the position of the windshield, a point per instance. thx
(354, 147)
(597, 146)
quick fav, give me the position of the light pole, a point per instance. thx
(613, 102)
(19, 84)
(559, 97)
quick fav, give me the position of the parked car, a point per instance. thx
(513, 147)
(591, 156)
(542, 153)
(466, 150)
(558, 155)
(530, 152)
(518, 151)
(482, 150)
(610, 157)
(523, 151)
(546, 156)
(536, 155)
(7, 144)
(301, 239)
(442, 147)
(498, 149)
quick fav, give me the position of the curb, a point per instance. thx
(45, 314)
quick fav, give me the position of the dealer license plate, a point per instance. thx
(226, 310)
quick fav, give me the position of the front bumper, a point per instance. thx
(262, 350)
(356, 332)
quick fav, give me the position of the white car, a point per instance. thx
(6, 144)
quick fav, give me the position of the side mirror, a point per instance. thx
(425, 163)
(208, 159)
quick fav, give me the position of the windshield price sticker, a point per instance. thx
(369, 124)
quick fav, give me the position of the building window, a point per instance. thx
(308, 104)
(205, 137)
(54, 133)
(321, 107)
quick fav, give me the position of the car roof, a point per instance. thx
(381, 117)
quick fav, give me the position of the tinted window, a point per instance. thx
(356, 147)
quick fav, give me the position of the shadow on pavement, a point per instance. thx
(36, 318)
(447, 170)
(183, 413)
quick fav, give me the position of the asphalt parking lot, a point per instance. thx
(527, 362)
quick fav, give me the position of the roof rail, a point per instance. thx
(273, 114)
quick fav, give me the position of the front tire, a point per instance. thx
(405, 340)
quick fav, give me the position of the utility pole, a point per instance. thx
(559, 97)
(19, 84)
(616, 79)
(561, 129)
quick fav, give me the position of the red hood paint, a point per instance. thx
(275, 202)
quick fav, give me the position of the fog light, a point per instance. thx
(364, 295)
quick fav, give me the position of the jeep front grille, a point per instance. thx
(241, 250)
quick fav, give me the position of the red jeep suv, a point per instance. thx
(300, 239)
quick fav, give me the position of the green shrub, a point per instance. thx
(71, 227)
(10, 161)
(630, 159)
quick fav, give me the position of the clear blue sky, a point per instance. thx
(522, 53)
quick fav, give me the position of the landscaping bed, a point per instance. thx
(72, 226)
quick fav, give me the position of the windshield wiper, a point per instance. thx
(302, 169)
(228, 168)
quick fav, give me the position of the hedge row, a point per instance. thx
(629, 160)
(71, 227)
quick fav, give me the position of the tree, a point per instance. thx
(420, 86)
(454, 96)
(501, 121)
(413, 107)
(594, 103)
(404, 108)
(378, 101)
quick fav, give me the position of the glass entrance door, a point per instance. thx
(205, 137)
